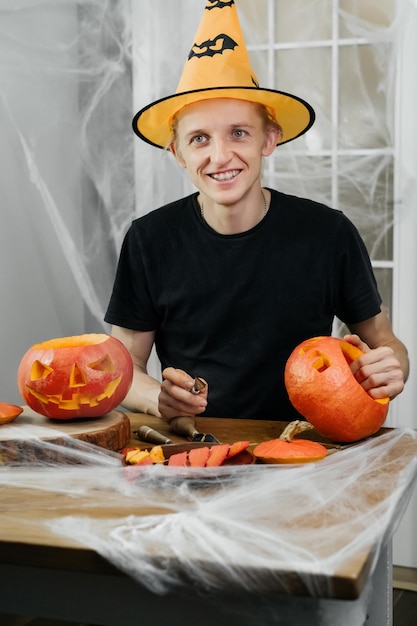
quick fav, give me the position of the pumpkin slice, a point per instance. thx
(237, 448)
(138, 457)
(9, 412)
(197, 457)
(157, 454)
(218, 454)
(179, 459)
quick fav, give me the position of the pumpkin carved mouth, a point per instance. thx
(76, 399)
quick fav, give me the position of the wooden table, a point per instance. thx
(47, 575)
(226, 430)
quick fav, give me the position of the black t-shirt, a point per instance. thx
(231, 308)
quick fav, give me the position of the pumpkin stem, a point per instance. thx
(295, 428)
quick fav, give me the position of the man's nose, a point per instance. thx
(220, 150)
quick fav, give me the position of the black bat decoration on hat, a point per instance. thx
(218, 4)
(210, 47)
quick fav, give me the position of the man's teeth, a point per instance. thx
(225, 175)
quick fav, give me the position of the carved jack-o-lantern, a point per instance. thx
(323, 389)
(80, 376)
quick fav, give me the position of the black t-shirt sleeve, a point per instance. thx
(357, 297)
(130, 304)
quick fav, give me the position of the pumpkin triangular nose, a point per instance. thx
(77, 377)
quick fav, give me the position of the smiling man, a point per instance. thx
(227, 281)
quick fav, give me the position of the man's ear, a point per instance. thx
(176, 154)
(272, 137)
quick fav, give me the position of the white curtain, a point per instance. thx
(67, 174)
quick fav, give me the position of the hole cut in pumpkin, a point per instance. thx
(321, 363)
(77, 377)
(39, 370)
(105, 364)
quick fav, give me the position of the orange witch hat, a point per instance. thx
(218, 66)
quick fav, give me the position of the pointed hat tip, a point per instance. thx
(218, 65)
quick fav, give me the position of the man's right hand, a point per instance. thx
(176, 399)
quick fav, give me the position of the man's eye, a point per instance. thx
(238, 132)
(198, 139)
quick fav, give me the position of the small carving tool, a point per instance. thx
(185, 426)
(199, 385)
(146, 433)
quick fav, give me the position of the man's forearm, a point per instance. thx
(143, 394)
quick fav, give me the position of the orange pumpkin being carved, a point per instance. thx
(322, 388)
(80, 376)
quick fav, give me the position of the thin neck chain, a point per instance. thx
(264, 213)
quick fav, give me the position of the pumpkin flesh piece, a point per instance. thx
(178, 460)
(218, 454)
(197, 457)
(138, 457)
(157, 454)
(9, 412)
(237, 448)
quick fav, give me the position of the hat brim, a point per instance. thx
(293, 114)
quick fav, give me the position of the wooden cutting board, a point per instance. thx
(111, 431)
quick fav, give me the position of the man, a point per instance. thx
(229, 280)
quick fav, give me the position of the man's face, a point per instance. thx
(221, 143)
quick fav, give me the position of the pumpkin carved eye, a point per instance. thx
(105, 364)
(39, 370)
(321, 361)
